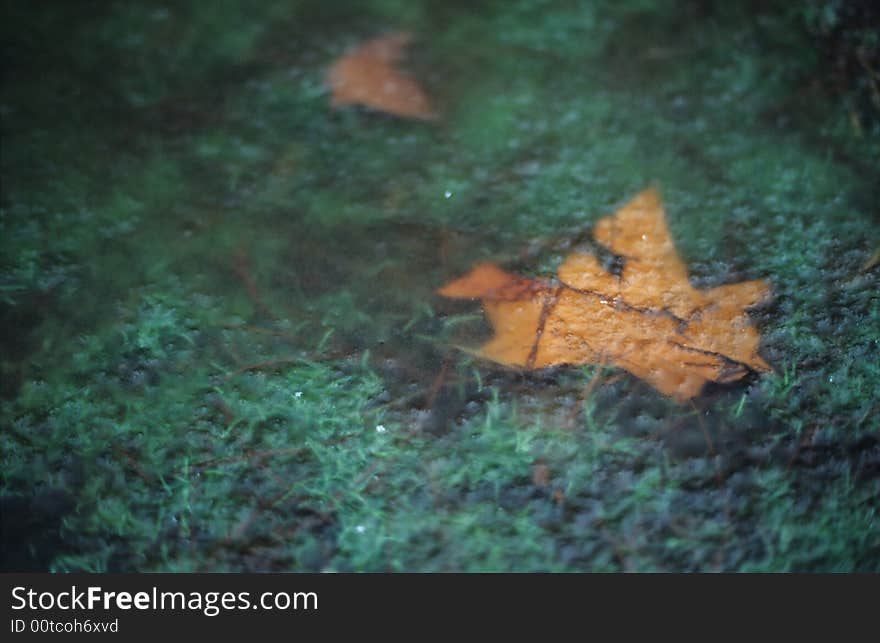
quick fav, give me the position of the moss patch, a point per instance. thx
(221, 348)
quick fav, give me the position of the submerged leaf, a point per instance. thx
(648, 320)
(368, 76)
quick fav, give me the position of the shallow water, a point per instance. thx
(216, 288)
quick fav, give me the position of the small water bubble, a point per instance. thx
(447, 194)
(360, 529)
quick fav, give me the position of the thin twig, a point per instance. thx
(258, 329)
(249, 457)
(261, 366)
(588, 390)
(133, 464)
(243, 272)
(710, 445)
(438, 384)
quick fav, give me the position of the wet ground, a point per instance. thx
(222, 346)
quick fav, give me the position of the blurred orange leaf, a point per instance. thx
(368, 76)
(648, 320)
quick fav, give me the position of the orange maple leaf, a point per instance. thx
(368, 76)
(648, 320)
